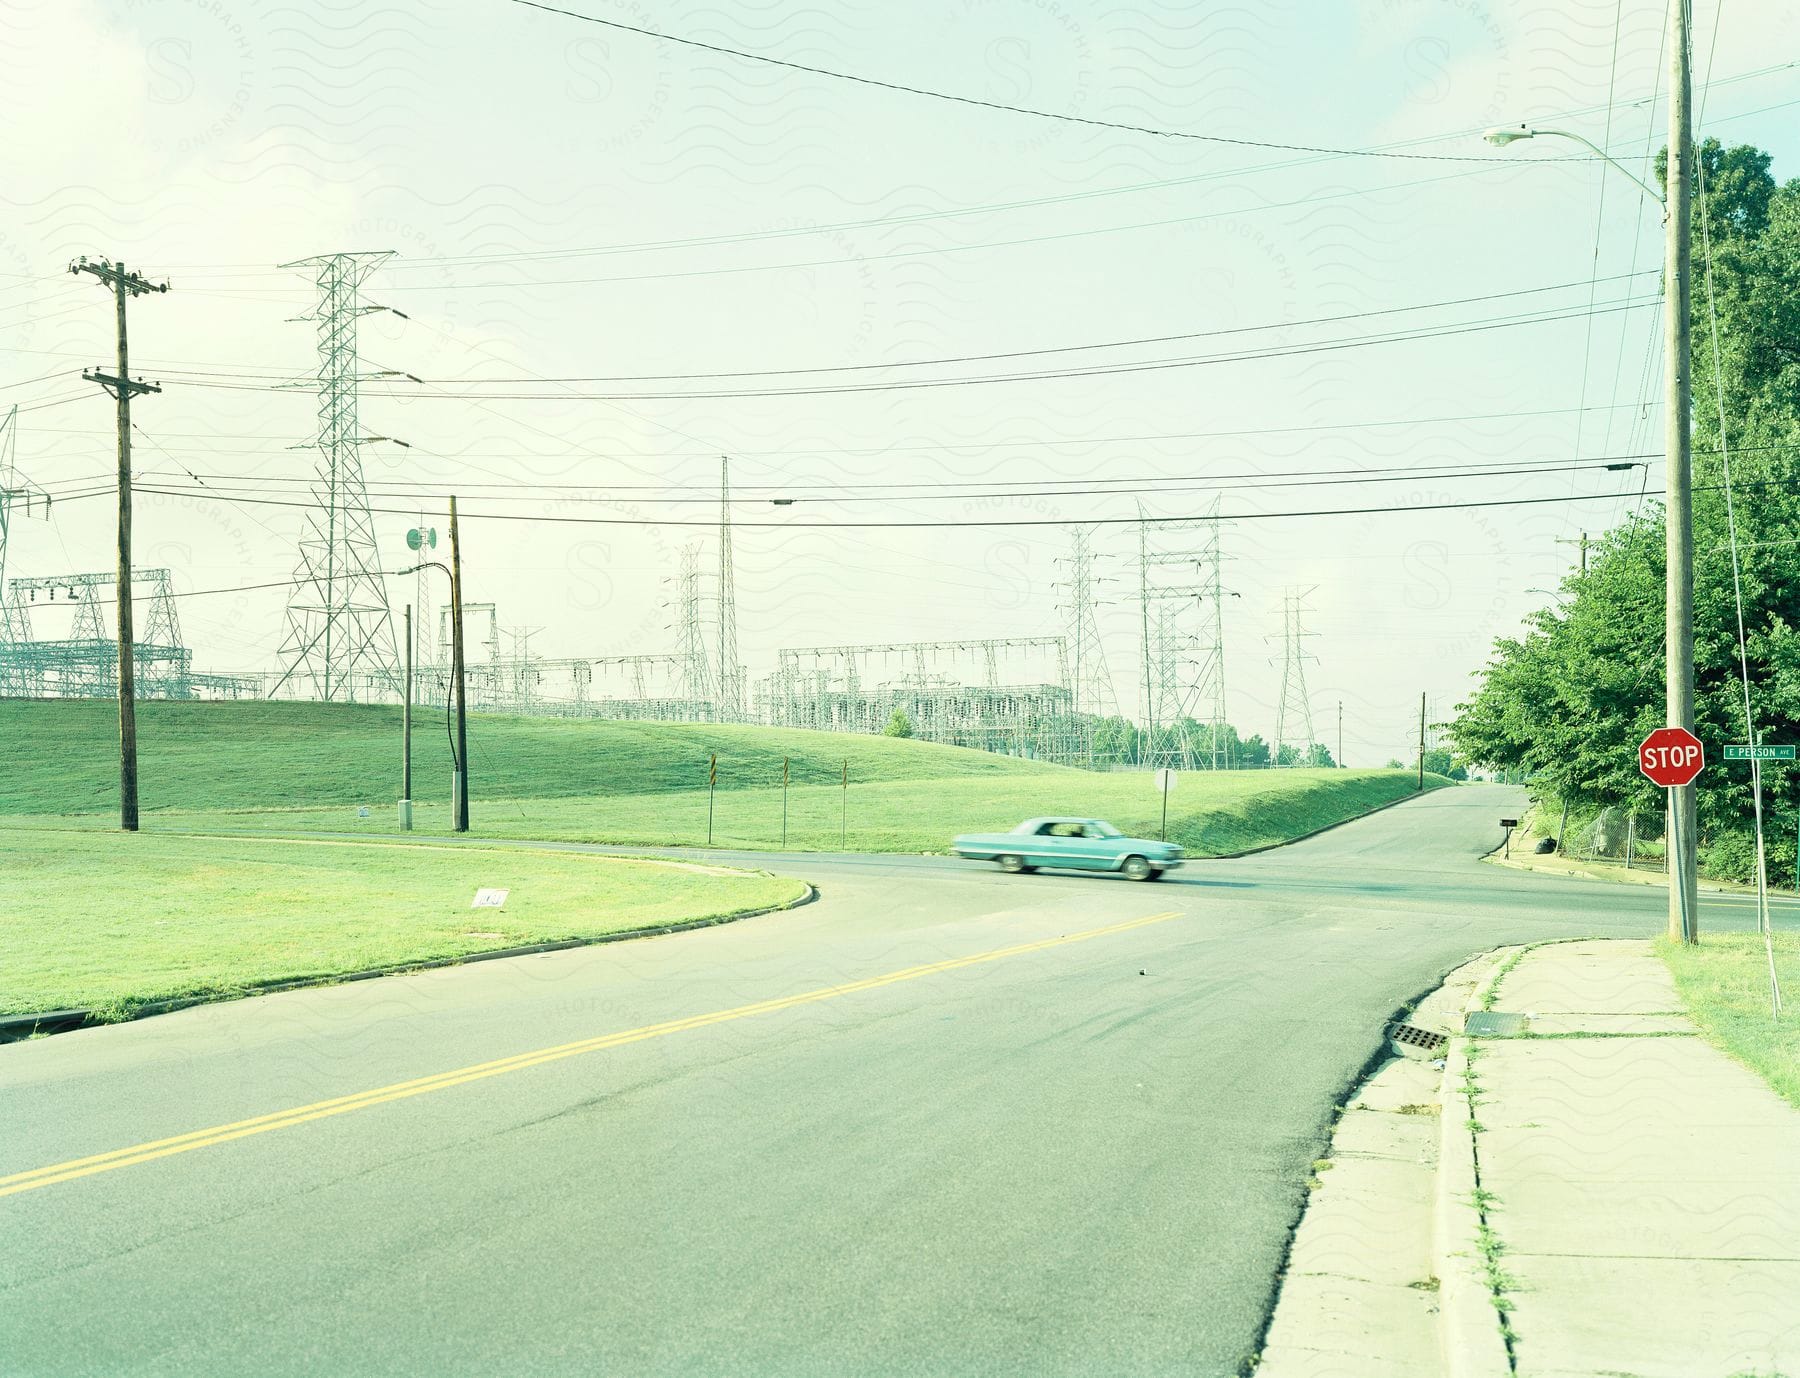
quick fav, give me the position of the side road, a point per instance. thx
(1578, 1184)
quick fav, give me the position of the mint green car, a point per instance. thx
(1075, 844)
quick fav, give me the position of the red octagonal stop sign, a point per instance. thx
(1671, 756)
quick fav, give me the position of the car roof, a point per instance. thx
(1058, 818)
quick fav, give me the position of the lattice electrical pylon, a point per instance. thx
(694, 666)
(340, 632)
(17, 493)
(731, 676)
(1209, 683)
(1090, 682)
(1294, 708)
(1181, 597)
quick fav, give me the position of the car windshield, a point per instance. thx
(1104, 829)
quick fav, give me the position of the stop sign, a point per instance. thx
(1671, 756)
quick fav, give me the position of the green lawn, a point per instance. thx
(62, 756)
(286, 767)
(1724, 982)
(111, 921)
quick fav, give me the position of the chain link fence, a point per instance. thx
(1620, 836)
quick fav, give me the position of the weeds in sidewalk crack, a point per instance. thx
(1501, 1284)
(1492, 994)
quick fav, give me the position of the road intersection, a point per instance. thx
(940, 1120)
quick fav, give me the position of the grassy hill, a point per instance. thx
(62, 756)
(288, 767)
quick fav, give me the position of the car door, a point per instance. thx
(1086, 850)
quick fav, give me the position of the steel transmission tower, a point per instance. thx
(340, 633)
(15, 492)
(1294, 708)
(1090, 681)
(695, 669)
(1181, 594)
(1209, 685)
(731, 677)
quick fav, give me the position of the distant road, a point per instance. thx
(941, 1121)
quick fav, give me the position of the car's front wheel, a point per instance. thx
(1013, 865)
(1138, 868)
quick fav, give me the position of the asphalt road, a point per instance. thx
(1012, 1124)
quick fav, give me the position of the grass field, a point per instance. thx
(112, 922)
(259, 755)
(1211, 815)
(1724, 982)
(280, 767)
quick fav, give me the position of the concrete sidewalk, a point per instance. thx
(1610, 1196)
(1647, 1187)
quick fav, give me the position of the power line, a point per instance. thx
(563, 520)
(915, 448)
(1137, 342)
(999, 105)
(1095, 371)
(598, 493)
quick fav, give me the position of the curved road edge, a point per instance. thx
(17, 1027)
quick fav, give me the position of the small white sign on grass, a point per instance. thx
(1165, 780)
(490, 899)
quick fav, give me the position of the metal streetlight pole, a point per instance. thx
(457, 726)
(1678, 665)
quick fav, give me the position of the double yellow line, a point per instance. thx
(443, 1081)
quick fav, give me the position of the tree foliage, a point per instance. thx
(1570, 699)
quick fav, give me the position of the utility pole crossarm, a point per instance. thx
(129, 387)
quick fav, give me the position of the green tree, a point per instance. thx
(899, 725)
(1568, 702)
(1439, 761)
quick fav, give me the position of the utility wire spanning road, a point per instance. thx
(941, 1121)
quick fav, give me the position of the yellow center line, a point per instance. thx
(342, 1105)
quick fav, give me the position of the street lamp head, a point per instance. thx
(1502, 135)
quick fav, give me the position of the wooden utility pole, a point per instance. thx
(460, 804)
(1421, 783)
(406, 733)
(1582, 543)
(123, 387)
(1340, 734)
(1678, 524)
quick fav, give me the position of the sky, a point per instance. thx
(566, 201)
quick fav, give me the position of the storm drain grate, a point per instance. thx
(1493, 1024)
(1411, 1039)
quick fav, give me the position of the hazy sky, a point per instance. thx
(566, 201)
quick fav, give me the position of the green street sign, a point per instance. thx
(1759, 753)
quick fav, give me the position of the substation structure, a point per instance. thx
(82, 660)
(860, 688)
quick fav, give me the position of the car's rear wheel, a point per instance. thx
(1138, 868)
(1013, 865)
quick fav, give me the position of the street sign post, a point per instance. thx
(1671, 756)
(1758, 753)
(1165, 781)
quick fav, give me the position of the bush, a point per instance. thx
(1730, 856)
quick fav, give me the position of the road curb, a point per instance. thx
(1468, 1324)
(17, 1027)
